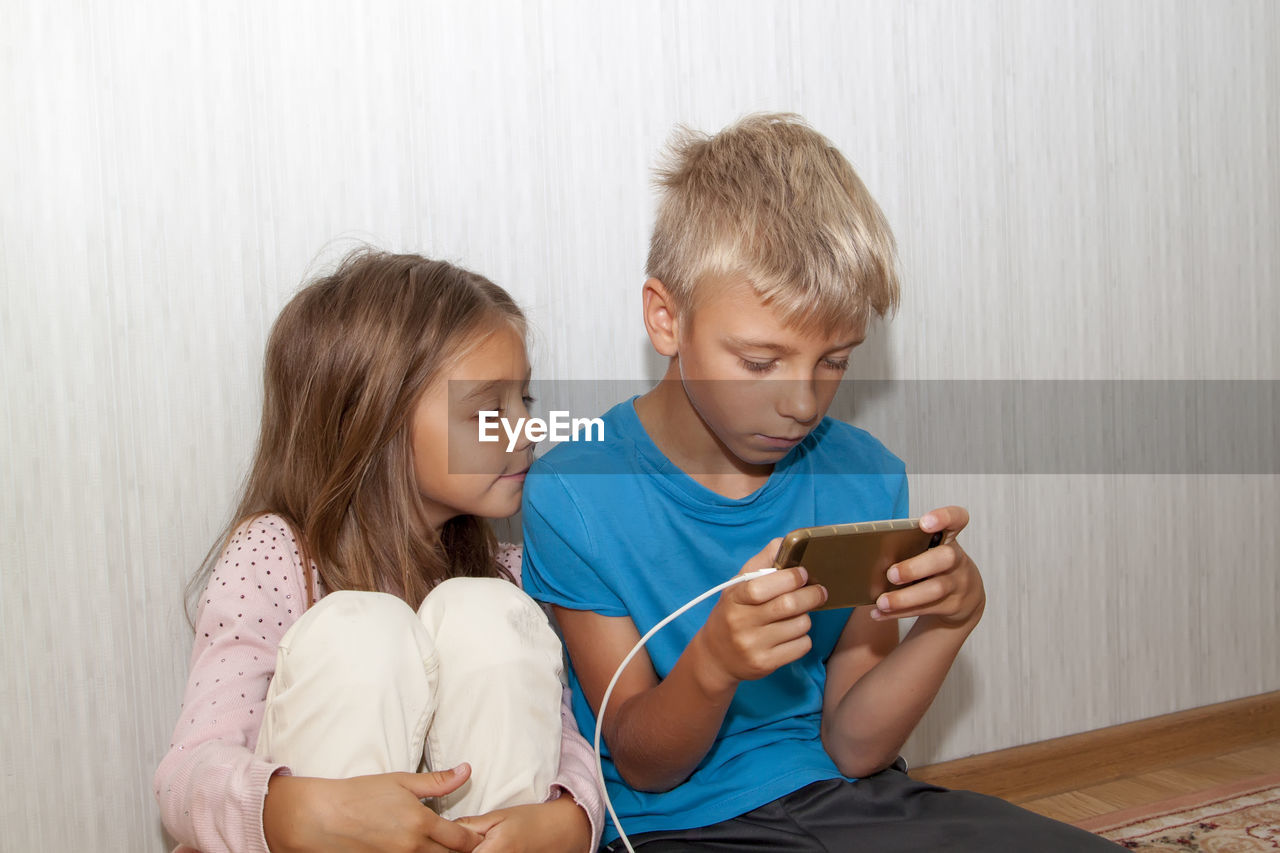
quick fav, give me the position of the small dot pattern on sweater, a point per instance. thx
(256, 592)
(256, 563)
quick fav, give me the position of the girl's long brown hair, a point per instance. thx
(346, 362)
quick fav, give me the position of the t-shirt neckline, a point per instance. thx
(688, 490)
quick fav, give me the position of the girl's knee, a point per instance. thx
(489, 616)
(369, 636)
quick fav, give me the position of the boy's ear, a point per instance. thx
(660, 318)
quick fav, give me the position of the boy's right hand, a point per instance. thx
(364, 814)
(759, 625)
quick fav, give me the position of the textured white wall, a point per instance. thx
(1085, 190)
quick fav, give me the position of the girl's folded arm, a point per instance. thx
(577, 773)
(210, 785)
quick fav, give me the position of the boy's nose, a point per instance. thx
(798, 401)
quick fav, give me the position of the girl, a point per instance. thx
(317, 694)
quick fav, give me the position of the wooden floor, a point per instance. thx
(1144, 788)
(1095, 773)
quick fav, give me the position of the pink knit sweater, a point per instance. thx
(210, 785)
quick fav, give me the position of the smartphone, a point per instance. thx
(852, 560)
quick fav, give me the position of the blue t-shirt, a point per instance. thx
(616, 528)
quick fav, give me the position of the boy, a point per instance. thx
(756, 722)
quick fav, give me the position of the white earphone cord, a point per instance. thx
(613, 682)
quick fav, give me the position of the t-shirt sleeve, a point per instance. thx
(873, 456)
(561, 563)
(902, 503)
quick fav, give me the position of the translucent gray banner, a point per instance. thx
(1001, 426)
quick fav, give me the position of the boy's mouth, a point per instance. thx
(780, 441)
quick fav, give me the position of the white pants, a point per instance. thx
(364, 685)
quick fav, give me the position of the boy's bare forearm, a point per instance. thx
(864, 732)
(659, 736)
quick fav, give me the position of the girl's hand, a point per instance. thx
(943, 582)
(556, 826)
(364, 814)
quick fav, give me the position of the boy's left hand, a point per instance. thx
(943, 582)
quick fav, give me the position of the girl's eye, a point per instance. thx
(528, 401)
(757, 366)
(836, 364)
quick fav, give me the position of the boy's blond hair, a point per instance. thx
(771, 200)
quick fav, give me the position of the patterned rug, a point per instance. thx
(1241, 817)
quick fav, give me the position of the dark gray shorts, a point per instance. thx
(886, 813)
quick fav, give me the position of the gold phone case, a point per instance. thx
(851, 560)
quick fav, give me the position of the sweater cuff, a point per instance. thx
(589, 804)
(260, 774)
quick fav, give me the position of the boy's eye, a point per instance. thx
(757, 366)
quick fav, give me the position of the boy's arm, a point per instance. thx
(878, 689)
(676, 724)
(658, 731)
